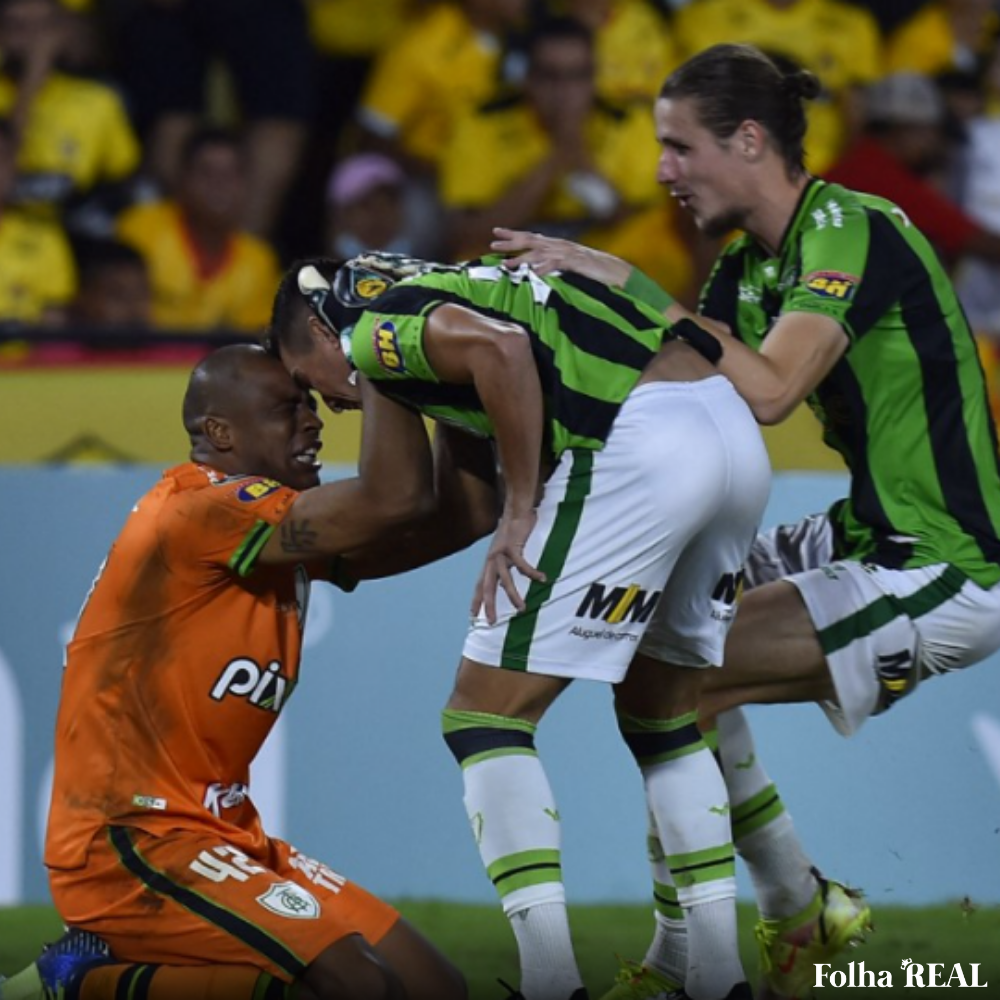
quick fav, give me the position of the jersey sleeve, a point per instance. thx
(223, 526)
(835, 246)
(388, 342)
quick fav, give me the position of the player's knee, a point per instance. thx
(657, 741)
(477, 735)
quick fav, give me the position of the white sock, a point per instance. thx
(667, 952)
(765, 836)
(514, 817)
(543, 942)
(687, 795)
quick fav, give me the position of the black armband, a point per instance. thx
(341, 576)
(709, 347)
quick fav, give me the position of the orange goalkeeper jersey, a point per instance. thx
(184, 655)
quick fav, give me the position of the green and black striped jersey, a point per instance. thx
(590, 344)
(906, 406)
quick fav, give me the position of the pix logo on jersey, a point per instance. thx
(262, 687)
(831, 284)
(257, 489)
(618, 604)
(387, 350)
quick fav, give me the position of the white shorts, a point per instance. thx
(649, 533)
(882, 630)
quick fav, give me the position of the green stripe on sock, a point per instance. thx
(759, 810)
(453, 721)
(665, 901)
(699, 867)
(526, 868)
(521, 630)
(711, 738)
(871, 618)
(633, 724)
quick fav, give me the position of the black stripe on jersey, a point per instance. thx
(580, 328)
(889, 268)
(617, 303)
(847, 430)
(408, 300)
(232, 923)
(933, 341)
(580, 414)
(721, 294)
(417, 392)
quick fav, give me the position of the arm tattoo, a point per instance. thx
(298, 537)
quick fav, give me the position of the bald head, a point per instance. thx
(245, 415)
(215, 384)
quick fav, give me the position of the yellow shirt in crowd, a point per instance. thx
(36, 267)
(77, 130)
(926, 42)
(236, 295)
(418, 86)
(496, 145)
(634, 51)
(348, 27)
(837, 41)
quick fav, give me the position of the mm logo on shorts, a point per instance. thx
(618, 604)
(726, 596)
(287, 899)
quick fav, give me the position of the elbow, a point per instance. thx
(771, 408)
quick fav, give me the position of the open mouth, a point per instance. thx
(309, 457)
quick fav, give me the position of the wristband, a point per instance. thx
(709, 347)
(641, 286)
(341, 576)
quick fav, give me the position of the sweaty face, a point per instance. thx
(276, 427)
(703, 173)
(321, 366)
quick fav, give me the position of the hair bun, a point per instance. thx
(802, 85)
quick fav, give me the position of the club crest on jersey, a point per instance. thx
(257, 489)
(387, 351)
(287, 899)
(831, 284)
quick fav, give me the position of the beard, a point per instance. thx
(719, 225)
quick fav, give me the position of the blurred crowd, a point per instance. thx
(160, 160)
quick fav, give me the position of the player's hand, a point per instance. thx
(547, 254)
(506, 553)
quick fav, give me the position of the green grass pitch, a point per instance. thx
(479, 941)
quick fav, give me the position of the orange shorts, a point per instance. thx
(188, 899)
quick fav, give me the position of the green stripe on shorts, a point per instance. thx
(872, 617)
(520, 632)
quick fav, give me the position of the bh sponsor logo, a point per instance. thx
(919, 975)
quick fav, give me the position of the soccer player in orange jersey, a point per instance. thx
(185, 653)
